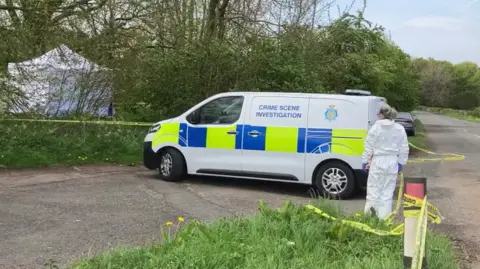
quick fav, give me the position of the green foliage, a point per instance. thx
(167, 56)
(449, 86)
(8, 94)
(35, 144)
(349, 53)
(475, 112)
(290, 237)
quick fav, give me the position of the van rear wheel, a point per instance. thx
(172, 165)
(335, 180)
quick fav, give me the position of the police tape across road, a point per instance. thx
(409, 201)
(447, 156)
(433, 214)
(419, 209)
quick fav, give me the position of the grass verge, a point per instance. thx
(37, 144)
(420, 138)
(292, 237)
(468, 115)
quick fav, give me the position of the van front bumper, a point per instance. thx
(150, 159)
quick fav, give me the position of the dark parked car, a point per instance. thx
(407, 121)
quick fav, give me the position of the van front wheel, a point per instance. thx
(172, 165)
(335, 180)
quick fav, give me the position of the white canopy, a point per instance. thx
(61, 81)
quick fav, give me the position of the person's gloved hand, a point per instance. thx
(364, 167)
(400, 168)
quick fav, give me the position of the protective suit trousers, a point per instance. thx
(382, 179)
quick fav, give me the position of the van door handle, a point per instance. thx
(232, 132)
(254, 133)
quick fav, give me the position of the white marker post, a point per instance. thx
(416, 187)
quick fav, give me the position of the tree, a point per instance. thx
(467, 81)
(436, 81)
(443, 84)
(168, 55)
(31, 27)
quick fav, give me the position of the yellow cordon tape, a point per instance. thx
(410, 201)
(448, 156)
(355, 224)
(433, 214)
(420, 238)
(120, 123)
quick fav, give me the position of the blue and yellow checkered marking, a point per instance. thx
(182, 136)
(318, 140)
(271, 138)
(254, 143)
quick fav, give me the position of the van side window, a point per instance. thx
(224, 110)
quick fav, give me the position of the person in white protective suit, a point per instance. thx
(385, 154)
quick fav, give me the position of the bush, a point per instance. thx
(34, 144)
(293, 237)
(348, 53)
(475, 112)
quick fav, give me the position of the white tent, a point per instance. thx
(62, 82)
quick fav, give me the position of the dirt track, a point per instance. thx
(63, 214)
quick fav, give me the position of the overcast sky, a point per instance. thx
(442, 29)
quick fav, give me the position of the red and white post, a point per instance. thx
(416, 187)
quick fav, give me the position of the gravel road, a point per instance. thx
(63, 214)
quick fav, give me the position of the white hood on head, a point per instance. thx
(385, 123)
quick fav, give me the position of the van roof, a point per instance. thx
(298, 94)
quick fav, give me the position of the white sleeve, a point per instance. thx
(369, 142)
(404, 149)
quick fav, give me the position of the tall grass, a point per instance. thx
(36, 144)
(291, 238)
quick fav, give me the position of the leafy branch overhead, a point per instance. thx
(47, 12)
(167, 55)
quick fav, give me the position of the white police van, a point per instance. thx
(305, 138)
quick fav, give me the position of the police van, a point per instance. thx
(313, 139)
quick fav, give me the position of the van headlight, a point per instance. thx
(154, 128)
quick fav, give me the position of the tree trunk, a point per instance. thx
(211, 26)
(221, 19)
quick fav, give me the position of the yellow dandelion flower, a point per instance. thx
(180, 219)
(169, 223)
(358, 215)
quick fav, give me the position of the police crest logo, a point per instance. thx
(331, 113)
